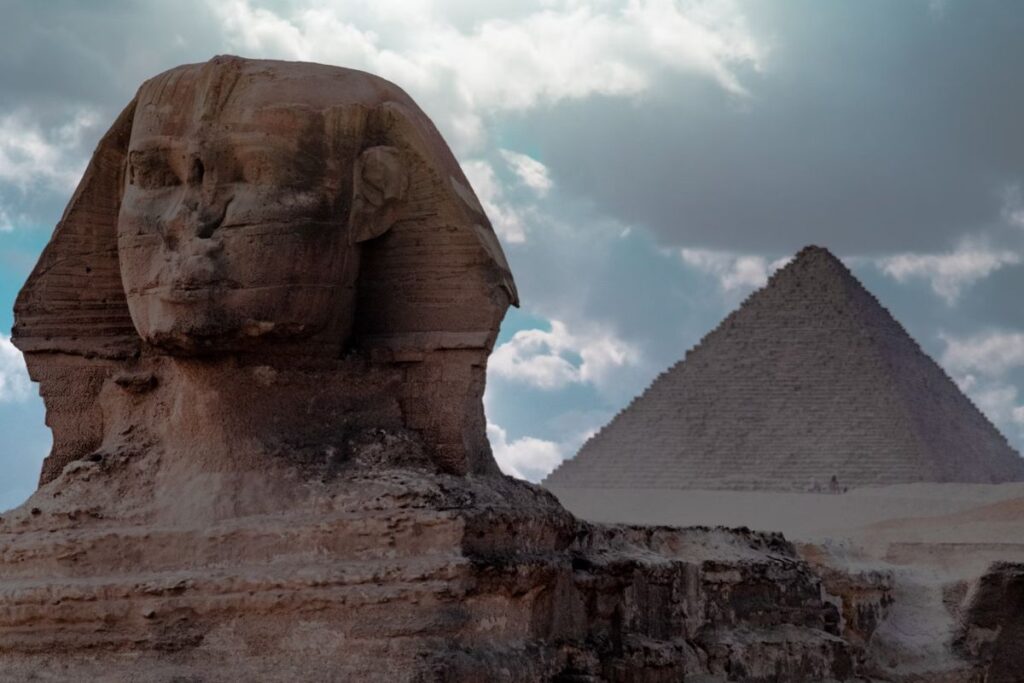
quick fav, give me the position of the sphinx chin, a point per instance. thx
(184, 321)
(301, 320)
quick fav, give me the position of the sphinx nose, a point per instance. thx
(210, 217)
(198, 214)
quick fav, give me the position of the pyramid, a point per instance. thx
(810, 385)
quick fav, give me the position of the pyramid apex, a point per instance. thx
(811, 248)
(814, 251)
(813, 261)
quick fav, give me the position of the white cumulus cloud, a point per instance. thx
(1000, 402)
(557, 358)
(990, 353)
(526, 457)
(15, 384)
(530, 172)
(506, 219)
(950, 273)
(532, 458)
(978, 364)
(30, 154)
(735, 272)
(537, 52)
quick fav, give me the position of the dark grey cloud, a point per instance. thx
(875, 126)
(66, 51)
(63, 59)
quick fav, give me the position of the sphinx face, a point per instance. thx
(232, 232)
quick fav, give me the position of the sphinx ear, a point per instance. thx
(380, 184)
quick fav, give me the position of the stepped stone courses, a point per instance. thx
(810, 379)
(992, 628)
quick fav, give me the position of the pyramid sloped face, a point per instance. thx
(810, 379)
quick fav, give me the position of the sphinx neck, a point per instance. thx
(231, 414)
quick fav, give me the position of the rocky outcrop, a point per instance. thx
(402, 575)
(863, 597)
(992, 624)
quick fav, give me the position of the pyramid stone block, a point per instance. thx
(810, 385)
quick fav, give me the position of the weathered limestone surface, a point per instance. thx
(391, 575)
(992, 624)
(285, 216)
(809, 385)
(261, 331)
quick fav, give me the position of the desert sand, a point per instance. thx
(905, 513)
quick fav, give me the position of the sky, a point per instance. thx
(646, 164)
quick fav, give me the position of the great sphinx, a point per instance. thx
(287, 254)
(261, 330)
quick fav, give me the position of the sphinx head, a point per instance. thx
(243, 210)
(270, 211)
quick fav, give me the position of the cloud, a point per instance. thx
(558, 358)
(30, 155)
(979, 365)
(531, 458)
(999, 402)
(506, 219)
(710, 38)
(531, 172)
(949, 273)
(990, 353)
(858, 134)
(527, 457)
(15, 384)
(734, 272)
(545, 52)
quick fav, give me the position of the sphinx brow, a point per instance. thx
(245, 143)
(152, 153)
(250, 142)
(257, 140)
(157, 142)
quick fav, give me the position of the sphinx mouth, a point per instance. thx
(182, 295)
(189, 290)
(200, 285)
(191, 275)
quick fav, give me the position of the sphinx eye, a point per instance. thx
(151, 171)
